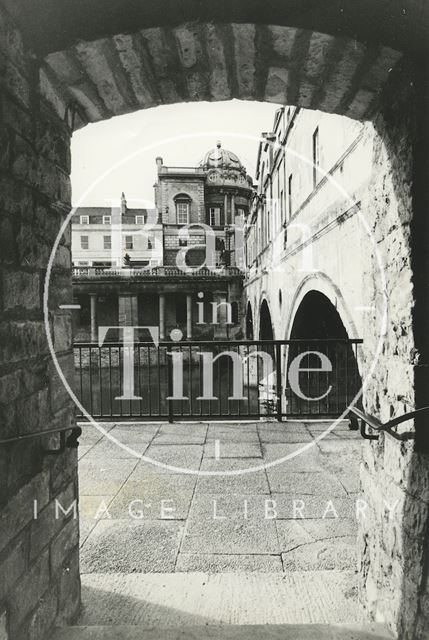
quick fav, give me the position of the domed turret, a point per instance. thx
(220, 158)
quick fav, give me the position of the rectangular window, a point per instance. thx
(84, 242)
(139, 219)
(107, 219)
(129, 244)
(289, 193)
(149, 243)
(214, 216)
(107, 241)
(316, 157)
(84, 219)
(182, 211)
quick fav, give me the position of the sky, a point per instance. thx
(119, 154)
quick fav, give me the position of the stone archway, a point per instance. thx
(316, 318)
(266, 331)
(70, 63)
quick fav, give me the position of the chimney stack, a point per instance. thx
(123, 204)
(159, 163)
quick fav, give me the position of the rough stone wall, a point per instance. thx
(394, 550)
(39, 563)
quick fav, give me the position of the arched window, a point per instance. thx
(183, 208)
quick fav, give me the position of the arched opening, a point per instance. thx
(318, 331)
(265, 324)
(208, 57)
(249, 322)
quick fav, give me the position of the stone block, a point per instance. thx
(42, 620)
(13, 80)
(59, 395)
(13, 563)
(63, 545)
(21, 289)
(11, 41)
(15, 116)
(21, 340)
(28, 592)
(18, 513)
(69, 590)
(50, 521)
(64, 467)
(63, 339)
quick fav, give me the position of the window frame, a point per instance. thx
(216, 210)
(141, 220)
(180, 202)
(82, 243)
(109, 218)
(109, 238)
(82, 218)
(129, 245)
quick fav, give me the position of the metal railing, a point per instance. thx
(389, 427)
(262, 369)
(152, 272)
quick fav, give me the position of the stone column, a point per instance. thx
(189, 316)
(94, 328)
(225, 206)
(232, 209)
(162, 316)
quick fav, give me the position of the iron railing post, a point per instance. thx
(279, 380)
(170, 387)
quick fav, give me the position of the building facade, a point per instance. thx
(179, 266)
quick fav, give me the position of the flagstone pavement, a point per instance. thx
(218, 497)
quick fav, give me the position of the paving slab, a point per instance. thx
(305, 483)
(106, 449)
(310, 459)
(226, 449)
(104, 476)
(233, 433)
(83, 450)
(181, 434)
(313, 507)
(254, 482)
(176, 599)
(322, 425)
(339, 554)
(303, 507)
(296, 533)
(186, 457)
(237, 525)
(138, 432)
(90, 434)
(283, 433)
(222, 562)
(124, 546)
(91, 506)
(159, 497)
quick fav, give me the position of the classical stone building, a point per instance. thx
(179, 266)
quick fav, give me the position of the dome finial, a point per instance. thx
(218, 144)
